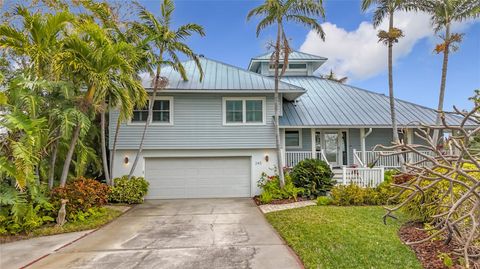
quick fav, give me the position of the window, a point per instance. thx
(244, 111)
(272, 66)
(234, 110)
(161, 113)
(290, 66)
(254, 110)
(297, 66)
(293, 138)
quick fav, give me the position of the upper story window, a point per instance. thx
(293, 138)
(162, 112)
(290, 66)
(297, 66)
(249, 110)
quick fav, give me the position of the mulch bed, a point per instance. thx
(280, 201)
(428, 252)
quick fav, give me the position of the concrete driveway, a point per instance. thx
(194, 233)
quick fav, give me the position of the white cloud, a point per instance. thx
(358, 54)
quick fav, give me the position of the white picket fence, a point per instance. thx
(362, 176)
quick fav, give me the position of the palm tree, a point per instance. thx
(278, 12)
(106, 68)
(384, 9)
(165, 43)
(36, 44)
(333, 77)
(119, 31)
(38, 40)
(443, 14)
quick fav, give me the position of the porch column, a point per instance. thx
(314, 148)
(410, 141)
(284, 149)
(362, 145)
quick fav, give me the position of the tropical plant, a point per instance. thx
(386, 9)
(443, 187)
(279, 12)
(105, 76)
(165, 44)
(333, 77)
(130, 191)
(39, 39)
(23, 211)
(82, 194)
(314, 176)
(443, 14)
(271, 189)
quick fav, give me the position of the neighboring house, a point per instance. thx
(216, 137)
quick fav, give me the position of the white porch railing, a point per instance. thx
(362, 176)
(389, 161)
(292, 158)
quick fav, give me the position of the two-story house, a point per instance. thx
(215, 137)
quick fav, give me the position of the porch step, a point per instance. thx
(337, 173)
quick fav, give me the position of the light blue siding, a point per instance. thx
(198, 124)
(306, 141)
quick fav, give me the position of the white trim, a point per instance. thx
(170, 120)
(244, 110)
(300, 140)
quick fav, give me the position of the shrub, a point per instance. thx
(324, 200)
(23, 211)
(271, 190)
(423, 207)
(130, 191)
(314, 176)
(82, 194)
(354, 195)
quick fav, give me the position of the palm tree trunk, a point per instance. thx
(277, 112)
(103, 145)
(393, 114)
(114, 150)
(149, 118)
(68, 158)
(51, 174)
(443, 82)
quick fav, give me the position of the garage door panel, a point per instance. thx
(203, 177)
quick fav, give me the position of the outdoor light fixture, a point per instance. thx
(125, 160)
(266, 158)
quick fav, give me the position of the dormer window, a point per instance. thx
(297, 66)
(292, 66)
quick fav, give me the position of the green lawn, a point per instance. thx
(343, 237)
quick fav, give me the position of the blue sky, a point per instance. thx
(230, 38)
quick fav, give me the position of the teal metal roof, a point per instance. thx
(220, 77)
(329, 103)
(294, 55)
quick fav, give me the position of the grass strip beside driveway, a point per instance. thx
(343, 237)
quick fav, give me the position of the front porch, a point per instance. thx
(349, 152)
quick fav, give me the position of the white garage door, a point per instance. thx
(202, 177)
